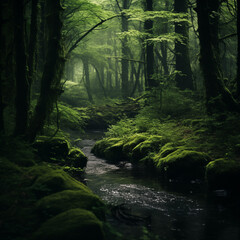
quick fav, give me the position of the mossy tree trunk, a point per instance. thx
(53, 69)
(218, 97)
(22, 83)
(87, 79)
(150, 82)
(238, 54)
(33, 41)
(124, 61)
(2, 44)
(184, 79)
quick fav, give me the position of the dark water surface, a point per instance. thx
(171, 212)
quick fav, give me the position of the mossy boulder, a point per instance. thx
(132, 142)
(182, 164)
(73, 224)
(101, 145)
(114, 153)
(167, 149)
(56, 203)
(223, 174)
(47, 181)
(76, 158)
(151, 144)
(50, 149)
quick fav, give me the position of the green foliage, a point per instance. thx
(223, 174)
(70, 225)
(182, 164)
(69, 199)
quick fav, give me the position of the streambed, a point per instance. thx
(172, 212)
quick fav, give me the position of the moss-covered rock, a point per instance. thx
(182, 164)
(54, 204)
(151, 144)
(50, 149)
(76, 158)
(101, 145)
(223, 174)
(114, 153)
(132, 142)
(73, 224)
(167, 149)
(48, 181)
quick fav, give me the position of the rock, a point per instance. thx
(56, 203)
(52, 149)
(151, 144)
(132, 142)
(48, 181)
(182, 164)
(76, 158)
(223, 174)
(73, 224)
(101, 145)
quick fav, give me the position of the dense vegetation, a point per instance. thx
(162, 78)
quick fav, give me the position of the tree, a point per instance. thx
(238, 47)
(218, 97)
(184, 78)
(22, 83)
(53, 69)
(148, 25)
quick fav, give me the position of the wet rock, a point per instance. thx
(182, 164)
(73, 224)
(223, 174)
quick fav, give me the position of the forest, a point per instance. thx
(119, 119)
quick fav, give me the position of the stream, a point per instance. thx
(169, 212)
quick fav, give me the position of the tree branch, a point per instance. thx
(85, 34)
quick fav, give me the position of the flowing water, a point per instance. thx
(171, 212)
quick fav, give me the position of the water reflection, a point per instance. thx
(173, 216)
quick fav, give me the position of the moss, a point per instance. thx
(132, 142)
(103, 144)
(167, 149)
(114, 152)
(152, 144)
(73, 224)
(52, 148)
(223, 174)
(182, 164)
(62, 201)
(76, 158)
(10, 174)
(49, 181)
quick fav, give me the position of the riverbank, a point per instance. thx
(40, 200)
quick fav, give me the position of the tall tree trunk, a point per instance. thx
(184, 79)
(218, 98)
(22, 85)
(238, 51)
(32, 41)
(53, 69)
(2, 64)
(124, 61)
(87, 79)
(148, 25)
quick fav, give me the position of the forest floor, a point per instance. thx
(31, 182)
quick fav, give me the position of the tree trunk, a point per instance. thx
(53, 69)
(87, 79)
(184, 79)
(2, 64)
(32, 41)
(124, 61)
(148, 26)
(238, 51)
(22, 85)
(218, 98)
